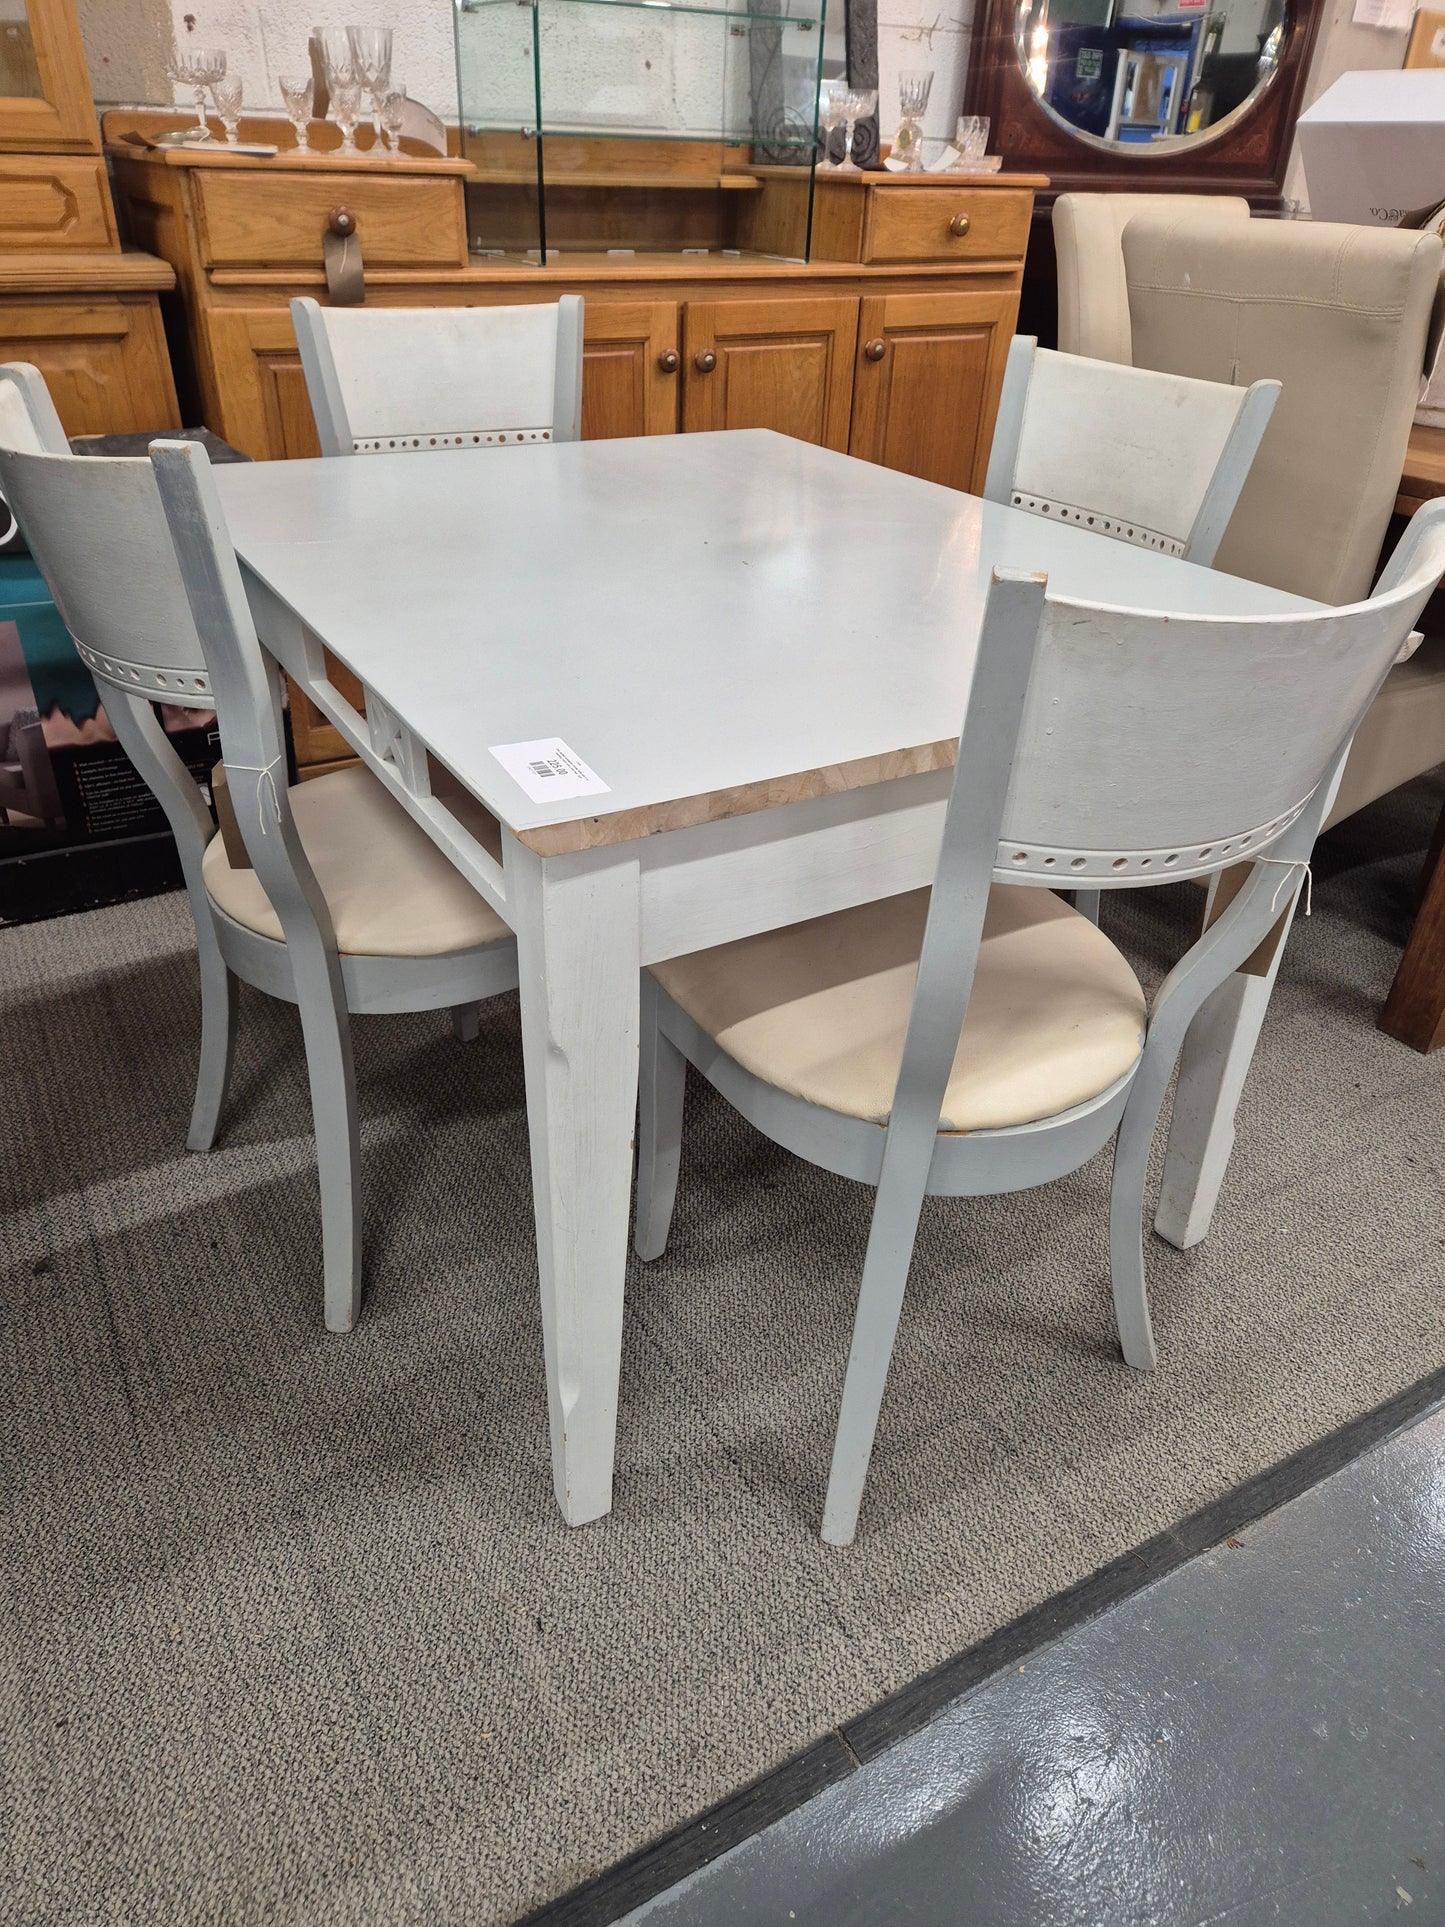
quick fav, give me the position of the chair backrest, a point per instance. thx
(106, 543)
(28, 419)
(387, 380)
(1156, 460)
(95, 528)
(1339, 315)
(1160, 746)
(1088, 246)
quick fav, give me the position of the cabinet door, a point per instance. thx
(930, 367)
(771, 364)
(45, 103)
(103, 357)
(254, 393)
(627, 388)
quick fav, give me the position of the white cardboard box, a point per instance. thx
(1373, 147)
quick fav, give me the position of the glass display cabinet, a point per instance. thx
(617, 127)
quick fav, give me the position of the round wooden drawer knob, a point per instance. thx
(959, 225)
(876, 350)
(341, 221)
(667, 361)
(705, 362)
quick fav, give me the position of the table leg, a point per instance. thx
(1415, 1008)
(576, 920)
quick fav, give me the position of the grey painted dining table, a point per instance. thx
(726, 672)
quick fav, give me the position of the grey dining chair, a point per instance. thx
(343, 904)
(1151, 459)
(401, 380)
(984, 1037)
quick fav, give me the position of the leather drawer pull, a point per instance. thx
(341, 252)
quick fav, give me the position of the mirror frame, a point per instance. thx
(1248, 153)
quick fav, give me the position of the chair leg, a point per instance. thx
(218, 1040)
(332, 1077)
(662, 1084)
(1086, 902)
(880, 1305)
(466, 1022)
(1126, 1230)
(1217, 1055)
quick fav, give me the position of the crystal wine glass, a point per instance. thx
(198, 68)
(831, 96)
(393, 116)
(346, 110)
(226, 92)
(371, 63)
(337, 59)
(299, 97)
(858, 104)
(915, 84)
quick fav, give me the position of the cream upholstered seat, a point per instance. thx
(1093, 293)
(820, 1009)
(390, 891)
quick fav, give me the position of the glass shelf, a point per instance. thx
(667, 100)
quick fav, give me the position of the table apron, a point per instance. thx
(716, 882)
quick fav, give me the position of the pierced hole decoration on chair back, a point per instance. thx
(1125, 452)
(1154, 747)
(406, 380)
(93, 524)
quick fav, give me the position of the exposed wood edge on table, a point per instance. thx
(61, 273)
(715, 806)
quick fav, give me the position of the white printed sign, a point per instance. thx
(548, 771)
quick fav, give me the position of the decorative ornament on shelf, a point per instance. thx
(915, 84)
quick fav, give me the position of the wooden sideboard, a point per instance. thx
(890, 344)
(71, 300)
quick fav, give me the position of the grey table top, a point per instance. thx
(691, 614)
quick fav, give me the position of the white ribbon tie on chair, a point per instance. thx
(1291, 863)
(266, 780)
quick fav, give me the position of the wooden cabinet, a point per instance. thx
(45, 104)
(929, 371)
(71, 301)
(101, 349)
(783, 364)
(631, 368)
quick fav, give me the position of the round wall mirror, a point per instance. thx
(1134, 77)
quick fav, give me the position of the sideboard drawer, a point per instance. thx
(54, 201)
(946, 224)
(249, 220)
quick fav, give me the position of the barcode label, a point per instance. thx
(548, 771)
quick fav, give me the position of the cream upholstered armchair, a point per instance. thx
(1341, 316)
(1088, 238)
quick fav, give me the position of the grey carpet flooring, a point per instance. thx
(290, 1630)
